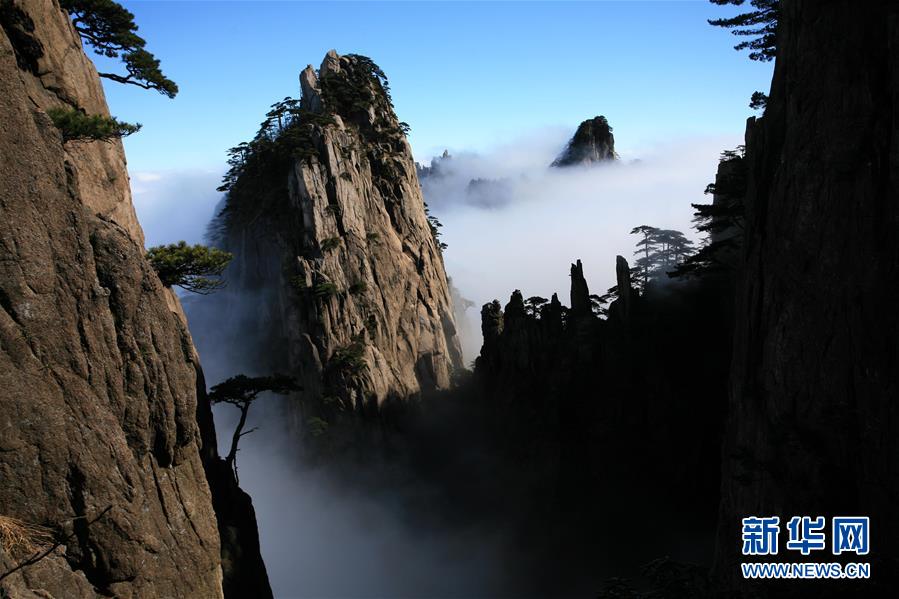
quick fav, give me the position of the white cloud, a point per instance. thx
(175, 205)
(548, 218)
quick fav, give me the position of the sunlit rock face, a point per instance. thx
(592, 142)
(356, 302)
(98, 376)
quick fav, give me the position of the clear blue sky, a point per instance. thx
(465, 75)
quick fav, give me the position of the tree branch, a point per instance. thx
(42, 554)
(254, 429)
(128, 79)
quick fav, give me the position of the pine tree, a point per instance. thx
(761, 22)
(110, 29)
(241, 391)
(721, 221)
(534, 304)
(189, 267)
(659, 251)
(75, 126)
(647, 247)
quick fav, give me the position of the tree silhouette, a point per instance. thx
(110, 29)
(435, 226)
(646, 246)
(721, 221)
(660, 251)
(241, 391)
(758, 101)
(533, 304)
(671, 249)
(598, 303)
(761, 22)
(189, 267)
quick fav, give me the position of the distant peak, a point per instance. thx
(592, 142)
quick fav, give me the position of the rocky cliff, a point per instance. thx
(592, 142)
(100, 386)
(352, 297)
(813, 412)
(612, 413)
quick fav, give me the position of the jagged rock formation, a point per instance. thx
(592, 142)
(99, 382)
(813, 411)
(580, 293)
(621, 307)
(611, 412)
(356, 301)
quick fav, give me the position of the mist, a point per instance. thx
(519, 233)
(384, 532)
(323, 537)
(533, 221)
(175, 205)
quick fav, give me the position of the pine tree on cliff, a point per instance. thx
(662, 251)
(77, 126)
(534, 304)
(646, 246)
(241, 391)
(110, 29)
(721, 221)
(760, 23)
(194, 268)
(672, 248)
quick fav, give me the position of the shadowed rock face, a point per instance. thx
(592, 142)
(357, 302)
(632, 403)
(815, 380)
(99, 381)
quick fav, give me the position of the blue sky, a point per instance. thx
(465, 75)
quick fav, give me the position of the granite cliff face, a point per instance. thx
(354, 300)
(46, 47)
(813, 411)
(592, 142)
(100, 386)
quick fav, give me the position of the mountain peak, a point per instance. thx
(348, 85)
(592, 142)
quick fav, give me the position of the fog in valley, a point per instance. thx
(521, 230)
(334, 535)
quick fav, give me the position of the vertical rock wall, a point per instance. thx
(815, 377)
(356, 297)
(99, 380)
